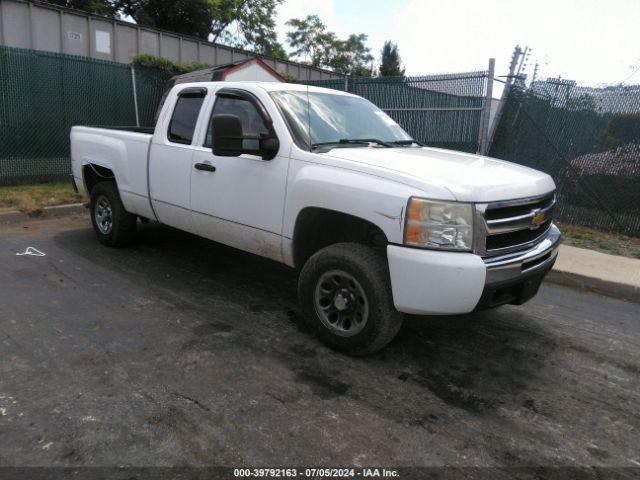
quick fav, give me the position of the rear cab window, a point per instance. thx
(185, 115)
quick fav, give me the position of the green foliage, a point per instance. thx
(188, 17)
(321, 48)
(621, 129)
(309, 39)
(391, 64)
(99, 7)
(288, 77)
(144, 60)
(351, 56)
(32, 199)
(275, 50)
(247, 24)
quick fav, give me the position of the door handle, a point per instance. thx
(207, 167)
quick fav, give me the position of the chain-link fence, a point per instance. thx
(588, 139)
(42, 95)
(439, 110)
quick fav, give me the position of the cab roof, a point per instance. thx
(267, 86)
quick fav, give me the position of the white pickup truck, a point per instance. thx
(327, 183)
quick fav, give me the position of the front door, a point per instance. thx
(241, 202)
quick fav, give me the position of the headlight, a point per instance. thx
(433, 224)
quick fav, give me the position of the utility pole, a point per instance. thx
(483, 138)
(515, 59)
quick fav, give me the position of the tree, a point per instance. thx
(390, 65)
(246, 24)
(273, 49)
(240, 23)
(99, 7)
(188, 17)
(311, 40)
(351, 56)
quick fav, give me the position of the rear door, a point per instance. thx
(170, 161)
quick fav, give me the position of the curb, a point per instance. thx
(622, 291)
(15, 216)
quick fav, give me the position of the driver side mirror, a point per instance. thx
(229, 139)
(227, 135)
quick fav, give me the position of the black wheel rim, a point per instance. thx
(341, 303)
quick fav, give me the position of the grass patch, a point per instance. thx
(611, 243)
(31, 199)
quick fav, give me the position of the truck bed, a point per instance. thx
(124, 150)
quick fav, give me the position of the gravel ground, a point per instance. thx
(179, 351)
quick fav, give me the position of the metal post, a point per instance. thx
(116, 43)
(483, 137)
(505, 93)
(32, 42)
(138, 42)
(2, 41)
(61, 24)
(346, 83)
(135, 94)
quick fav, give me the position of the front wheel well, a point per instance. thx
(94, 174)
(317, 228)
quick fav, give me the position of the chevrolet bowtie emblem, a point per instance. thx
(537, 219)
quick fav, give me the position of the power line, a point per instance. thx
(637, 69)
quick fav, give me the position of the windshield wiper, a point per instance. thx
(408, 142)
(352, 141)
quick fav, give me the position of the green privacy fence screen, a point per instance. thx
(440, 110)
(42, 95)
(587, 139)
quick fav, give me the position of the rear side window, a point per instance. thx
(185, 116)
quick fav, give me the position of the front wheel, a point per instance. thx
(345, 292)
(112, 223)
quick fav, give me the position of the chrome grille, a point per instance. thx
(505, 227)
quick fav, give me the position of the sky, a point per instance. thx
(594, 42)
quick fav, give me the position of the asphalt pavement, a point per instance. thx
(180, 351)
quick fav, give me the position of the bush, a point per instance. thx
(145, 60)
(288, 77)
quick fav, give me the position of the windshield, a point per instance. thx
(336, 119)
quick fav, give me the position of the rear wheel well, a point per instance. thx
(317, 228)
(94, 174)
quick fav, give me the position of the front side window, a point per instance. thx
(184, 118)
(317, 118)
(252, 122)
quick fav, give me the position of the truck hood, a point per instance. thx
(469, 178)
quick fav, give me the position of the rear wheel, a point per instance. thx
(345, 292)
(113, 225)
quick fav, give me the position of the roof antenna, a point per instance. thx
(308, 118)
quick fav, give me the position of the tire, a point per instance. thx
(113, 225)
(354, 313)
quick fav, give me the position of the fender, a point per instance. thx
(377, 200)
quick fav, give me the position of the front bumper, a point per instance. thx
(430, 282)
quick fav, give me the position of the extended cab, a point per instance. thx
(327, 183)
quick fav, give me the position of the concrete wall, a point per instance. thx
(61, 30)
